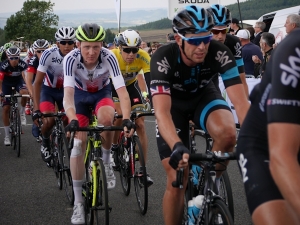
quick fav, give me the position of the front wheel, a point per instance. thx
(219, 213)
(225, 192)
(56, 161)
(18, 133)
(125, 173)
(140, 178)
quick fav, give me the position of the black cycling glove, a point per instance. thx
(36, 115)
(129, 124)
(178, 150)
(72, 126)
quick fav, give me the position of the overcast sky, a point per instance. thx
(16, 5)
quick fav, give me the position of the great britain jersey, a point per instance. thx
(170, 75)
(9, 73)
(76, 74)
(51, 63)
(130, 71)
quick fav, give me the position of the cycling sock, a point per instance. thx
(77, 186)
(22, 110)
(46, 141)
(6, 130)
(106, 155)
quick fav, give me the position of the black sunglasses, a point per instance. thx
(128, 50)
(40, 51)
(66, 42)
(14, 58)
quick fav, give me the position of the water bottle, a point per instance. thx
(196, 171)
(91, 170)
(194, 207)
(27, 108)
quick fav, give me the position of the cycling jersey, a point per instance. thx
(33, 64)
(275, 100)
(92, 80)
(11, 74)
(169, 74)
(51, 64)
(130, 71)
(234, 44)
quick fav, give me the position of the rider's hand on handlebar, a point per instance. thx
(129, 127)
(35, 116)
(180, 156)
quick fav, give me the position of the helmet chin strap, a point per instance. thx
(182, 48)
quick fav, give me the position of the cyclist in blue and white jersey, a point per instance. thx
(268, 145)
(48, 84)
(86, 84)
(222, 19)
(12, 75)
(179, 92)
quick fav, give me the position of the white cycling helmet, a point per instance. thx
(65, 33)
(129, 38)
(40, 43)
(13, 51)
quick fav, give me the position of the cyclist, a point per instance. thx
(34, 54)
(5, 47)
(48, 84)
(131, 60)
(86, 83)
(178, 93)
(268, 144)
(222, 19)
(12, 75)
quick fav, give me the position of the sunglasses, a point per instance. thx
(197, 40)
(223, 31)
(128, 50)
(40, 51)
(66, 42)
(14, 58)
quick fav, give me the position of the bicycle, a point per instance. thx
(225, 190)
(128, 169)
(15, 121)
(213, 210)
(94, 189)
(60, 160)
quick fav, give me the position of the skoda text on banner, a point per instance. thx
(175, 5)
(118, 12)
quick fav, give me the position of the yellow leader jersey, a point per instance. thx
(130, 71)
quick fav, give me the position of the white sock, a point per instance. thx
(77, 186)
(22, 110)
(6, 130)
(106, 155)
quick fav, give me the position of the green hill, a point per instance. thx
(251, 9)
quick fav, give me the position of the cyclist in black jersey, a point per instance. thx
(269, 143)
(180, 91)
(222, 18)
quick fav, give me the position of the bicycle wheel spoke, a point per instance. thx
(124, 170)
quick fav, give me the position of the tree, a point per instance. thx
(109, 37)
(35, 20)
(2, 37)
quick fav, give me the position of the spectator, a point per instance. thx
(266, 45)
(154, 47)
(231, 31)
(235, 25)
(251, 30)
(170, 37)
(259, 27)
(248, 50)
(292, 22)
(111, 46)
(144, 46)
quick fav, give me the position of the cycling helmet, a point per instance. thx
(65, 33)
(221, 15)
(1, 49)
(53, 45)
(7, 46)
(193, 19)
(30, 52)
(40, 43)
(129, 38)
(116, 39)
(13, 51)
(90, 32)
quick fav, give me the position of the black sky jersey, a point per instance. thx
(33, 64)
(234, 44)
(169, 74)
(277, 97)
(9, 73)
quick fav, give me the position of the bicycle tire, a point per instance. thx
(124, 169)
(140, 180)
(218, 210)
(18, 133)
(225, 191)
(56, 161)
(65, 169)
(13, 130)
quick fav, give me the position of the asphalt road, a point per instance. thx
(29, 194)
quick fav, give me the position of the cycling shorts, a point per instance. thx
(50, 96)
(135, 95)
(254, 166)
(18, 84)
(197, 109)
(84, 100)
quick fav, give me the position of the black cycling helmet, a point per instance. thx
(90, 32)
(193, 19)
(221, 15)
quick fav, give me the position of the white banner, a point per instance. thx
(118, 12)
(176, 5)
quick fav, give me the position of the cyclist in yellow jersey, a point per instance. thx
(132, 60)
